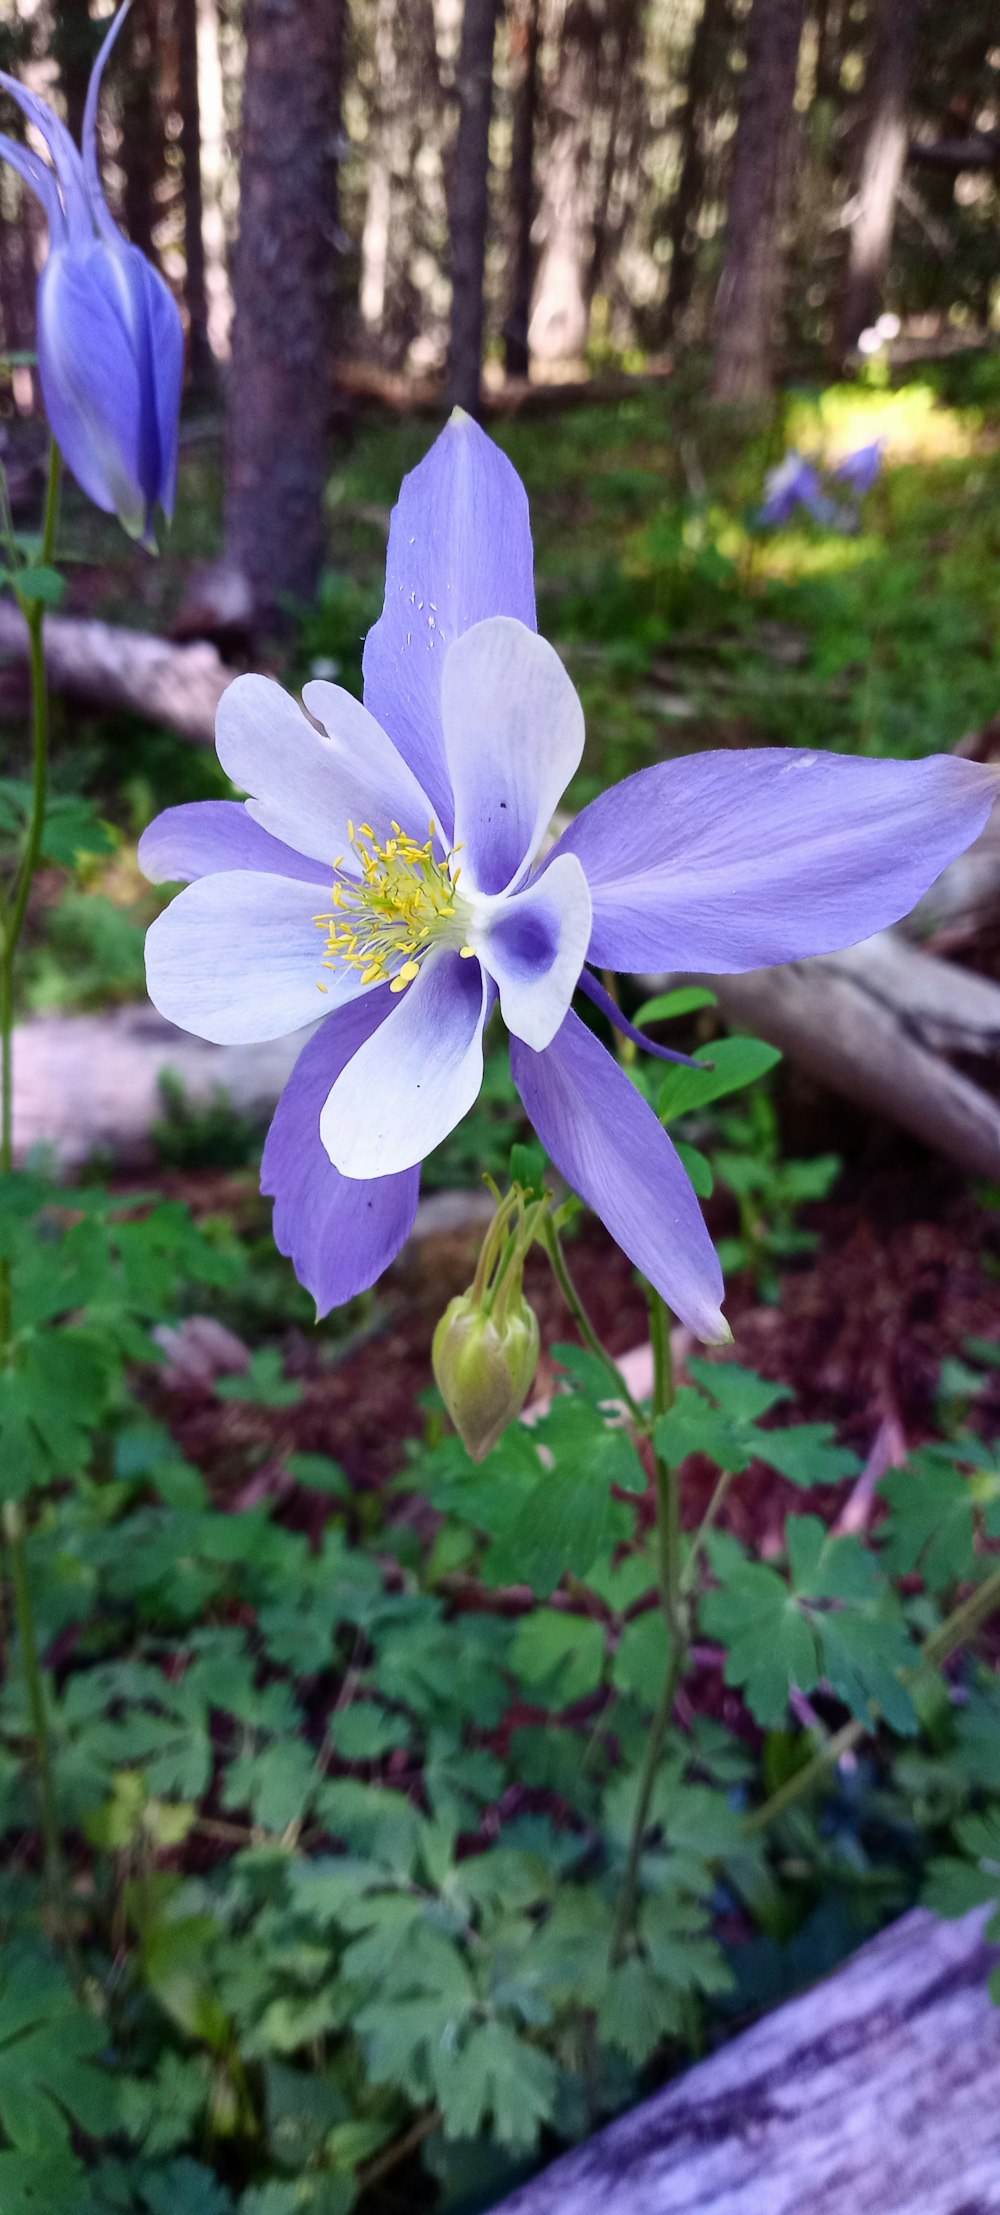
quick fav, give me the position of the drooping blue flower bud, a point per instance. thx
(110, 342)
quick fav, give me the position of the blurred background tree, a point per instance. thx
(602, 179)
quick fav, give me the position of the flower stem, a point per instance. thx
(549, 1237)
(671, 1598)
(13, 1529)
(10, 934)
(960, 1625)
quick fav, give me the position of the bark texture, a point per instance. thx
(749, 292)
(189, 105)
(872, 2095)
(470, 202)
(405, 115)
(703, 62)
(883, 155)
(525, 41)
(560, 318)
(277, 400)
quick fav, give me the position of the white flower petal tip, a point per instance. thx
(308, 787)
(415, 1078)
(514, 733)
(534, 945)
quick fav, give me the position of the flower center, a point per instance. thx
(384, 921)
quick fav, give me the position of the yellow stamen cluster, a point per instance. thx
(383, 921)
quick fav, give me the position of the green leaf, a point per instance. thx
(637, 2010)
(639, 1666)
(698, 1168)
(665, 1006)
(494, 2073)
(738, 1063)
(365, 1731)
(932, 1524)
(320, 1474)
(970, 1878)
(42, 585)
(44, 2183)
(561, 1656)
(185, 2187)
(49, 2049)
(264, 1382)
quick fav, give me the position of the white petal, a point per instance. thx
(415, 1078)
(238, 957)
(513, 733)
(306, 787)
(534, 944)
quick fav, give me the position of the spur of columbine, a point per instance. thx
(389, 872)
(110, 343)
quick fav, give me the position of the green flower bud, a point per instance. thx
(484, 1366)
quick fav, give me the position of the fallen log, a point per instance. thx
(871, 2095)
(105, 666)
(876, 1023)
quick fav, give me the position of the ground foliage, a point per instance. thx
(348, 1776)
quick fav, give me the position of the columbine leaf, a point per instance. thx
(738, 1062)
(49, 2049)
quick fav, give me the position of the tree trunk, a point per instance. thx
(470, 202)
(560, 318)
(706, 46)
(74, 43)
(277, 397)
(750, 289)
(626, 122)
(405, 112)
(188, 101)
(887, 84)
(525, 41)
(142, 147)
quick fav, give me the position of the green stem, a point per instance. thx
(34, 613)
(957, 1627)
(707, 1524)
(671, 1597)
(14, 1534)
(549, 1237)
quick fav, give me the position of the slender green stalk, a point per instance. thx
(707, 1524)
(12, 926)
(549, 1237)
(960, 1625)
(671, 1598)
(14, 1534)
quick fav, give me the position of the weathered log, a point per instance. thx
(106, 666)
(86, 1084)
(875, 1023)
(872, 2095)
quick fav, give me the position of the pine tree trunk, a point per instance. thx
(706, 47)
(525, 42)
(405, 112)
(277, 397)
(200, 352)
(750, 289)
(142, 149)
(887, 85)
(469, 198)
(620, 145)
(74, 43)
(560, 319)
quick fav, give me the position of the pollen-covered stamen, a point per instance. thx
(384, 919)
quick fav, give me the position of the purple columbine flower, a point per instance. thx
(388, 872)
(795, 484)
(862, 469)
(110, 343)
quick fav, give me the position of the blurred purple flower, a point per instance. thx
(862, 469)
(794, 484)
(110, 343)
(397, 882)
